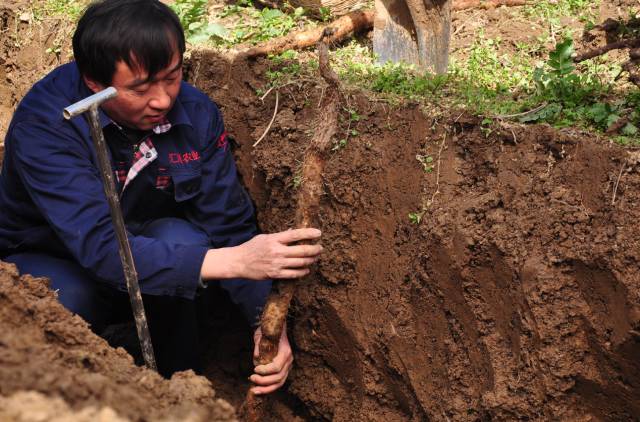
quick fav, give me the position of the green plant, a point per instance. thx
(71, 8)
(416, 217)
(264, 24)
(325, 14)
(426, 161)
(193, 17)
(339, 145)
(557, 78)
(297, 181)
(55, 49)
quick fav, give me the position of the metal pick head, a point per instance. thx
(92, 101)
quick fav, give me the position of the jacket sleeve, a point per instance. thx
(224, 210)
(59, 173)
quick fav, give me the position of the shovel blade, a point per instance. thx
(394, 36)
(413, 31)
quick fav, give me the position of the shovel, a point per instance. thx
(414, 32)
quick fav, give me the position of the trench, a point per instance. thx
(514, 297)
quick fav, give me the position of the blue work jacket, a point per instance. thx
(52, 198)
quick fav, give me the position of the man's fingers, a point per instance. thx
(291, 273)
(299, 262)
(268, 380)
(267, 390)
(296, 235)
(278, 364)
(303, 251)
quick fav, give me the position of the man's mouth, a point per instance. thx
(156, 118)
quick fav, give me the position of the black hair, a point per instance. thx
(142, 33)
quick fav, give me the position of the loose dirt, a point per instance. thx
(43, 348)
(516, 297)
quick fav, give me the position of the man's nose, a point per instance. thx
(160, 100)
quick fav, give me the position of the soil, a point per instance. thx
(516, 297)
(45, 349)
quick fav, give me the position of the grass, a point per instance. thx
(494, 81)
(236, 23)
(488, 77)
(71, 8)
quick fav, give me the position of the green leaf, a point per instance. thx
(200, 37)
(269, 14)
(611, 119)
(560, 58)
(629, 129)
(217, 30)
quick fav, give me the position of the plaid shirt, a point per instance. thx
(143, 155)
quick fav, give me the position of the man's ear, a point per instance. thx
(94, 86)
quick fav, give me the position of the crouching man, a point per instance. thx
(189, 220)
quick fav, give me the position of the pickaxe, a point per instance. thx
(90, 106)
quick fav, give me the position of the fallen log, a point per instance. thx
(308, 203)
(337, 30)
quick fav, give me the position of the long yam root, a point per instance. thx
(277, 307)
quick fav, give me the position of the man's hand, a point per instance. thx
(272, 255)
(268, 378)
(263, 257)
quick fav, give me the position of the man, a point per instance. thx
(189, 220)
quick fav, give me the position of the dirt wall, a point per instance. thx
(515, 297)
(30, 46)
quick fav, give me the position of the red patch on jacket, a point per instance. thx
(222, 141)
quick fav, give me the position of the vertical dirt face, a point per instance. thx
(29, 48)
(515, 297)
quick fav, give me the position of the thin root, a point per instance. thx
(275, 111)
(615, 187)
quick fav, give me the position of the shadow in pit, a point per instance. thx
(618, 398)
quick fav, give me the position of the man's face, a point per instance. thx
(141, 103)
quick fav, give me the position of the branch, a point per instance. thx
(338, 30)
(488, 4)
(630, 43)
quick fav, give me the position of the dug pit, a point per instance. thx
(511, 293)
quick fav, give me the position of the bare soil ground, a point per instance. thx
(517, 297)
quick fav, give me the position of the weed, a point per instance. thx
(325, 14)
(297, 181)
(261, 25)
(193, 17)
(426, 161)
(552, 11)
(70, 8)
(416, 217)
(55, 49)
(339, 145)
